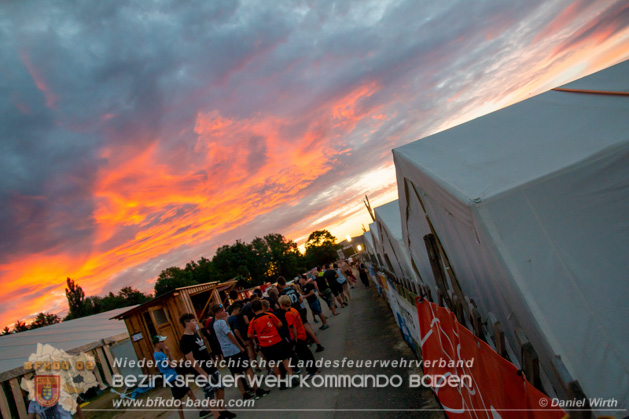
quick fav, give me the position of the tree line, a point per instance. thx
(262, 260)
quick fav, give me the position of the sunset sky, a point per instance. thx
(139, 136)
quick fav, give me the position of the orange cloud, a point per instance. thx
(148, 202)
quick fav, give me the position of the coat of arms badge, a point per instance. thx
(47, 390)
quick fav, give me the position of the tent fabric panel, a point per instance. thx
(389, 215)
(568, 253)
(612, 79)
(530, 204)
(389, 218)
(414, 228)
(368, 240)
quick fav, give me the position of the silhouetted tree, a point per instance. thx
(5, 331)
(44, 319)
(285, 258)
(172, 278)
(202, 271)
(235, 261)
(19, 326)
(76, 300)
(321, 248)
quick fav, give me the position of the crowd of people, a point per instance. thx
(272, 324)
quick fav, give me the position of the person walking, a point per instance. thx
(309, 290)
(195, 352)
(235, 355)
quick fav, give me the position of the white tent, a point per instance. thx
(395, 251)
(16, 348)
(531, 204)
(373, 229)
(369, 246)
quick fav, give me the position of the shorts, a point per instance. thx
(179, 389)
(337, 289)
(315, 306)
(327, 297)
(240, 363)
(213, 385)
(278, 352)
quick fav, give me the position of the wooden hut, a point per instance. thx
(160, 316)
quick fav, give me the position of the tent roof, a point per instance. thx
(368, 239)
(612, 79)
(389, 215)
(519, 144)
(374, 230)
(16, 348)
(191, 289)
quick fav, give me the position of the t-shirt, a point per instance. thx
(264, 327)
(238, 323)
(222, 330)
(322, 283)
(52, 412)
(246, 311)
(281, 314)
(309, 286)
(193, 343)
(293, 318)
(293, 295)
(341, 279)
(330, 275)
(163, 364)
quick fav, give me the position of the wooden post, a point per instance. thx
(499, 336)
(4, 403)
(110, 359)
(571, 388)
(207, 303)
(530, 360)
(428, 294)
(105, 366)
(457, 308)
(435, 264)
(440, 299)
(18, 396)
(477, 324)
(97, 374)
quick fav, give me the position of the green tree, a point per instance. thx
(235, 261)
(127, 296)
(202, 271)
(131, 296)
(285, 258)
(171, 278)
(261, 268)
(44, 319)
(5, 331)
(76, 300)
(321, 248)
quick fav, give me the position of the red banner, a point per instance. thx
(469, 378)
